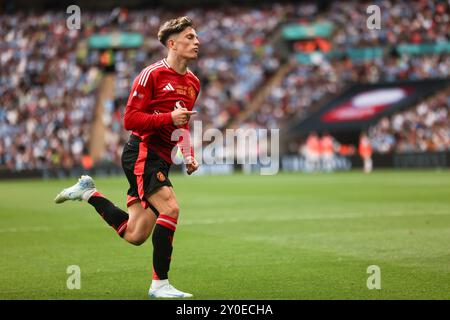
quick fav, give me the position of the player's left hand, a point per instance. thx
(192, 166)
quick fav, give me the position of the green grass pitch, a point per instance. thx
(288, 236)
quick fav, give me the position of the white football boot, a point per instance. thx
(166, 290)
(80, 191)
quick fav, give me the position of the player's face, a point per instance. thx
(186, 44)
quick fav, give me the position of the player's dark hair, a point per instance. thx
(173, 26)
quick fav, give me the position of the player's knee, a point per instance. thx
(136, 239)
(172, 210)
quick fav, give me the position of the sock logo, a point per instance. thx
(160, 176)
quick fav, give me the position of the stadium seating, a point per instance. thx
(49, 78)
(426, 127)
(307, 85)
(47, 96)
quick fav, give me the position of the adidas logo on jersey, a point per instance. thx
(168, 87)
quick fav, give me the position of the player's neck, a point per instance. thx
(177, 63)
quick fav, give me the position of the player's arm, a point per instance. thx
(186, 147)
(183, 138)
(184, 143)
(136, 118)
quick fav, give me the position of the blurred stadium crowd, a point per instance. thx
(49, 79)
(425, 127)
(306, 86)
(47, 98)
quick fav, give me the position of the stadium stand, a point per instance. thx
(306, 86)
(50, 78)
(426, 127)
(47, 96)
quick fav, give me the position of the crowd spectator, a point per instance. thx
(402, 21)
(47, 97)
(307, 86)
(425, 127)
(49, 77)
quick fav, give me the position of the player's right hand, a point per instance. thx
(181, 116)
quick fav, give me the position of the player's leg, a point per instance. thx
(370, 165)
(134, 226)
(165, 202)
(140, 224)
(148, 175)
(85, 190)
(367, 164)
(141, 217)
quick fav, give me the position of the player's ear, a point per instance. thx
(171, 43)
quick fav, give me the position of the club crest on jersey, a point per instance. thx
(191, 92)
(160, 176)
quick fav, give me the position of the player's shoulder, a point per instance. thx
(155, 66)
(193, 75)
(152, 69)
(196, 79)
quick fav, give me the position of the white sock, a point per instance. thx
(87, 194)
(156, 284)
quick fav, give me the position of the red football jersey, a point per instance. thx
(156, 92)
